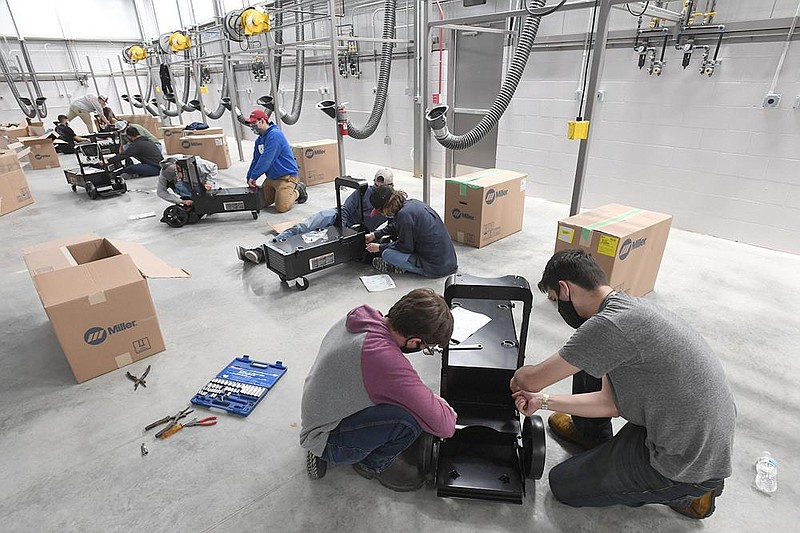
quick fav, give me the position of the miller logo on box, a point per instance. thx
(629, 246)
(185, 144)
(97, 335)
(492, 195)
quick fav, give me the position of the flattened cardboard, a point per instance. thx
(626, 242)
(280, 227)
(484, 206)
(95, 293)
(317, 161)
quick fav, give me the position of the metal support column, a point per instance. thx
(199, 93)
(114, 83)
(233, 94)
(94, 80)
(335, 84)
(595, 71)
(273, 81)
(423, 54)
(127, 90)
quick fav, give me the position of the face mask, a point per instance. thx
(569, 314)
(255, 129)
(406, 349)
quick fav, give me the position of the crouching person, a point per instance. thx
(363, 403)
(175, 188)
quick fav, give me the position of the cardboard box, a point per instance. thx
(210, 147)
(207, 131)
(14, 191)
(317, 161)
(485, 206)
(35, 128)
(153, 124)
(96, 296)
(172, 138)
(15, 132)
(43, 153)
(627, 243)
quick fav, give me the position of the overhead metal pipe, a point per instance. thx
(24, 103)
(39, 99)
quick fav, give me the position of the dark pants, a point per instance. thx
(618, 472)
(598, 429)
(142, 169)
(372, 437)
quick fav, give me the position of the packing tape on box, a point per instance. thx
(97, 298)
(123, 359)
(586, 233)
(463, 184)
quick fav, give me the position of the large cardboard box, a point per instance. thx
(172, 138)
(153, 124)
(626, 242)
(43, 153)
(207, 131)
(317, 161)
(211, 147)
(14, 191)
(35, 128)
(15, 132)
(484, 206)
(95, 293)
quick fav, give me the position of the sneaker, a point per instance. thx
(300, 187)
(701, 507)
(240, 250)
(399, 477)
(254, 255)
(382, 266)
(561, 424)
(315, 466)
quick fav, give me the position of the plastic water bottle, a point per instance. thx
(766, 473)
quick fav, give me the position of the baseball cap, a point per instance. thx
(384, 176)
(103, 98)
(379, 198)
(120, 125)
(257, 114)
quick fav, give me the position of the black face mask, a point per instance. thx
(406, 349)
(569, 314)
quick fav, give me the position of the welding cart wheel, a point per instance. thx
(533, 447)
(74, 188)
(255, 214)
(315, 467)
(175, 216)
(301, 283)
(91, 190)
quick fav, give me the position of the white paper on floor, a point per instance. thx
(379, 282)
(141, 216)
(466, 323)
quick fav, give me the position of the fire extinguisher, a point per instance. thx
(341, 119)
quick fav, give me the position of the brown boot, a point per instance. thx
(701, 507)
(561, 424)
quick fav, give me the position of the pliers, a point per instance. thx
(208, 421)
(138, 381)
(169, 420)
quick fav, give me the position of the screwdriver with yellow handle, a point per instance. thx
(208, 421)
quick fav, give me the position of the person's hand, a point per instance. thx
(514, 386)
(374, 247)
(369, 237)
(207, 185)
(187, 203)
(444, 402)
(252, 183)
(526, 402)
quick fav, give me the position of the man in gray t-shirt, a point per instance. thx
(632, 359)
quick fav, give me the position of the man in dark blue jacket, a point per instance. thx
(273, 156)
(421, 244)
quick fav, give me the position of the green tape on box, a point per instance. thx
(586, 233)
(464, 184)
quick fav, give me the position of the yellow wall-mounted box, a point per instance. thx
(578, 129)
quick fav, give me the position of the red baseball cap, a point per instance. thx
(257, 115)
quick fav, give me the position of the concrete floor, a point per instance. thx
(69, 454)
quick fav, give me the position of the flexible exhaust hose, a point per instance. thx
(236, 112)
(218, 112)
(24, 104)
(383, 76)
(278, 40)
(173, 97)
(507, 90)
(299, 72)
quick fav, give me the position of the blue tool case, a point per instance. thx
(240, 386)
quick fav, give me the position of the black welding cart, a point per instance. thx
(209, 202)
(295, 257)
(93, 174)
(494, 448)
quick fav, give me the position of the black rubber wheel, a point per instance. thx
(91, 190)
(255, 214)
(315, 467)
(301, 286)
(534, 448)
(74, 188)
(435, 461)
(175, 216)
(426, 453)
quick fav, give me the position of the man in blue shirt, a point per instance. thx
(273, 156)
(329, 217)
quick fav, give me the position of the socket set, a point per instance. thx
(240, 386)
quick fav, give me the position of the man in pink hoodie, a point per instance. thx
(363, 403)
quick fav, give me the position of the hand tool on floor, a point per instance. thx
(169, 420)
(208, 421)
(138, 381)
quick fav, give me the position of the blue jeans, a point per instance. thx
(403, 261)
(618, 472)
(183, 189)
(321, 219)
(142, 169)
(373, 437)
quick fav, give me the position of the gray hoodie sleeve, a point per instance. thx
(165, 193)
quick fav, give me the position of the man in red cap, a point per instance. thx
(273, 156)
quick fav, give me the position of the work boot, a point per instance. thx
(701, 507)
(240, 250)
(254, 255)
(561, 424)
(399, 477)
(382, 266)
(300, 187)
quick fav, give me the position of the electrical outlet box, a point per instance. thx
(387, 140)
(601, 96)
(578, 94)
(796, 102)
(771, 100)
